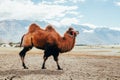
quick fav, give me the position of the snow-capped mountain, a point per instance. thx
(12, 31)
(97, 35)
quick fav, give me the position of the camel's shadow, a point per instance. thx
(29, 72)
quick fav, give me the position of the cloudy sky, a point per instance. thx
(95, 13)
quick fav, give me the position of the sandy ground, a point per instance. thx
(82, 63)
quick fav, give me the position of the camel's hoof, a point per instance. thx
(25, 67)
(60, 69)
(43, 67)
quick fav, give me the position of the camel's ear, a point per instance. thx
(70, 29)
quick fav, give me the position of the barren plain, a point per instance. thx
(82, 63)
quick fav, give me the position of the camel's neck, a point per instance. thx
(66, 43)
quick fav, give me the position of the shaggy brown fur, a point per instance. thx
(48, 40)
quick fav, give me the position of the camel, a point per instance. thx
(48, 40)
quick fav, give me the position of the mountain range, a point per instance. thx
(12, 31)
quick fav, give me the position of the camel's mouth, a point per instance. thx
(72, 32)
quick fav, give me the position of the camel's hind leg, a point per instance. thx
(22, 55)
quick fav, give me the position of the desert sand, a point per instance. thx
(82, 63)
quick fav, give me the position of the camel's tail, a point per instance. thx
(22, 40)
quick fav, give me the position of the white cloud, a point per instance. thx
(26, 9)
(55, 23)
(64, 22)
(14, 9)
(90, 25)
(88, 31)
(69, 21)
(117, 3)
(62, 1)
(77, 1)
(59, 1)
(115, 28)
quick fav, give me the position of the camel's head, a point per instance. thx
(72, 32)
